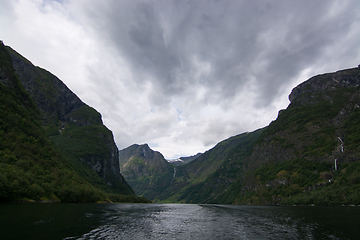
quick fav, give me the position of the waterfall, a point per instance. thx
(335, 164)
(341, 150)
(342, 144)
(173, 176)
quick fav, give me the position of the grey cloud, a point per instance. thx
(266, 42)
(143, 42)
(306, 34)
(205, 65)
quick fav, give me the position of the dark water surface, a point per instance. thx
(176, 221)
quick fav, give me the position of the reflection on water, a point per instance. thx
(176, 221)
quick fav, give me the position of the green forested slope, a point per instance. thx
(76, 129)
(208, 178)
(294, 162)
(84, 147)
(221, 186)
(30, 167)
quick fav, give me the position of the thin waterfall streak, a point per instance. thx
(173, 176)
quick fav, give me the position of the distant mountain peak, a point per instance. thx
(144, 169)
(183, 160)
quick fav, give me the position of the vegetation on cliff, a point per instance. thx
(76, 129)
(31, 168)
(310, 154)
(305, 182)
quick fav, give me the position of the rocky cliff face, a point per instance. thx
(76, 129)
(307, 91)
(53, 98)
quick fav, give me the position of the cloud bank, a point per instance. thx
(184, 75)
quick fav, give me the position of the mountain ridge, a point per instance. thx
(65, 116)
(290, 161)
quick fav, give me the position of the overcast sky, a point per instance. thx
(184, 75)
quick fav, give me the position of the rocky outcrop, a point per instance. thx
(53, 98)
(324, 83)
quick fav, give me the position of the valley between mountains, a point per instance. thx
(55, 148)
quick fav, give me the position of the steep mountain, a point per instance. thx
(75, 128)
(147, 171)
(309, 155)
(31, 166)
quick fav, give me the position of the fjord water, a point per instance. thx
(176, 221)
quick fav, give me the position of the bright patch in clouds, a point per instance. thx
(184, 75)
